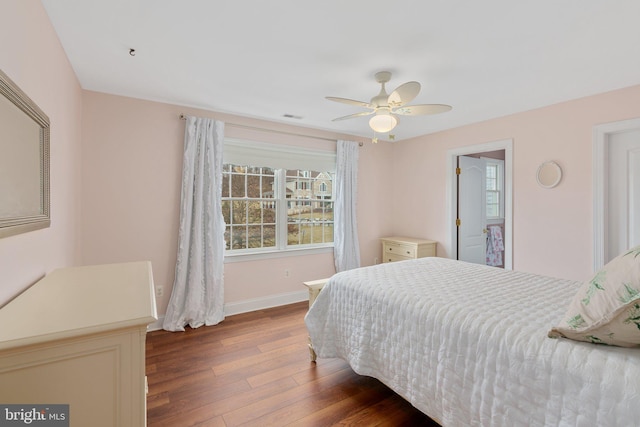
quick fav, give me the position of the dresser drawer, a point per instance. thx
(399, 249)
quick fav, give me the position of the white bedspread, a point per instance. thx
(468, 345)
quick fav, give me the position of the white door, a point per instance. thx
(472, 213)
(623, 189)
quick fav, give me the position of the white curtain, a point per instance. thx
(198, 294)
(345, 233)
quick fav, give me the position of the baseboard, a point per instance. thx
(248, 305)
(270, 301)
(157, 325)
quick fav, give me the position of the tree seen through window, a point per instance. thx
(258, 203)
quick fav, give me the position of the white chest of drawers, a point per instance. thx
(77, 337)
(404, 248)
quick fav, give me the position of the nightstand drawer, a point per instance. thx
(389, 257)
(399, 249)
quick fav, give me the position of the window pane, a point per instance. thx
(254, 212)
(492, 184)
(306, 233)
(238, 185)
(254, 236)
(269, 236)
(268, 212)
(225, 184)
(293, 233)
(253, 186)
(238, 237)
(238, 212)
(492, 198)
(268, 186)
(328, 232)
(493, 204)
(226, 211)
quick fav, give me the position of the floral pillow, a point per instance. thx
(606, 309)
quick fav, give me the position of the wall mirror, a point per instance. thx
(24, 162)
(549, 174)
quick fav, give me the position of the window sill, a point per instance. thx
(231, 258)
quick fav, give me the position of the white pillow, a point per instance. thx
(606, 309)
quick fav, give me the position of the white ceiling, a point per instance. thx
(265, 59)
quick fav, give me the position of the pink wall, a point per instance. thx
(132, 164)
(31, 55)
(552, 229)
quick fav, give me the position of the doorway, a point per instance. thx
(470, 244)
(480, 218)
(616, 189)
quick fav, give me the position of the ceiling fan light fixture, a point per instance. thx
(383, 122)
(387, 109)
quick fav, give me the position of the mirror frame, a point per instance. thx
(12, 225)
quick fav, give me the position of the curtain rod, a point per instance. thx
(184, 117)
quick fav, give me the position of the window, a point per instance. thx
(248, 207)
(309, 215)
(269, 206)
(495, 188)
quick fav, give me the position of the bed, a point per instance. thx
(467, 345)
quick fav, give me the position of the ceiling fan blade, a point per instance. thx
(404, 94)
(349, 101)
(352, 116)
(418, 110)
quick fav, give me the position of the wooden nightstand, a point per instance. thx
(404, 248)
(315, 286)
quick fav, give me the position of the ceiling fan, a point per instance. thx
(387, 107)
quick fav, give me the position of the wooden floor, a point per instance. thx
(254, 369)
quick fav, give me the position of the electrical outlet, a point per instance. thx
(159, 291)
(287, 273)
(375, 260)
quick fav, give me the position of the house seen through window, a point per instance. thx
(268, 208)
